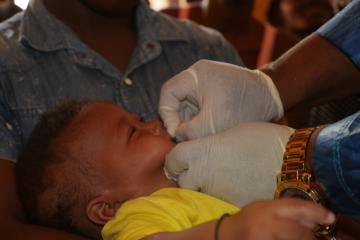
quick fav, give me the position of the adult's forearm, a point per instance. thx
(19, 231)
(12, 221)
(273, 219)
(312, 72)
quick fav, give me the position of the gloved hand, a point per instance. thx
(239, 165)
(210, 97)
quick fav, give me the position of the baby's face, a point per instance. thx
(127, 152)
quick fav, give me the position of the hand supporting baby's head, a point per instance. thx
(83, 160)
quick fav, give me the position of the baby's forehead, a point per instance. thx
(102, 110)
(94, 126)
(98, 119)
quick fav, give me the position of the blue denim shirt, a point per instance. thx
(336, 161)
(337, 149)
(343, 31)
(42, 62)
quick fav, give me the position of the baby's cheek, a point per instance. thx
(169, 146)
(165, 135)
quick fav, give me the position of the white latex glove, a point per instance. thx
(210, 97)
(239, 165)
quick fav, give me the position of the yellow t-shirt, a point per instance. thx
(166, 210)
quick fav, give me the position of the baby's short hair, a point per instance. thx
(45, 201)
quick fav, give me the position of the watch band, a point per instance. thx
(295, 168)
(296, 173)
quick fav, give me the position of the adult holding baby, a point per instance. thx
(121, 51)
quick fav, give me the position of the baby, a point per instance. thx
(95, 169)
(90, 164)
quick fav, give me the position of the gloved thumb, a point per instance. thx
(186, 180)
(196, 127)
(174, 92)
(177, 161)
(171, 119)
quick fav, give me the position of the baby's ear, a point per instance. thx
(101, 209)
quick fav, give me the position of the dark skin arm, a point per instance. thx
(13, 224)
(272, 219)
(313, 72)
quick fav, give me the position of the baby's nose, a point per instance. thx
(155, 127)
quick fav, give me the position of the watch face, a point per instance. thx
(296, 193)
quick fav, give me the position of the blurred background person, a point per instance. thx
(339, 4)
(300, 17)
(7, 9)
(256, 42)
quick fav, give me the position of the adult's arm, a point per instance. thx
(323, 66)
(287, 219)
(13, 224)
(312, 72)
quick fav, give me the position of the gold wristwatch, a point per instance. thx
(297, 179)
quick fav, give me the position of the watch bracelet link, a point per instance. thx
(294, 167)
(297, 173)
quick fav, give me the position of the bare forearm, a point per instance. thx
(203, 231)
(312, 72)
(19, 231)
(12, 221)
(277, 219)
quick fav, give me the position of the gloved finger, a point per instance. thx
(274, 107)
(199, 126)
(306, 213)
(170, 118)
(173, 92)
(187, 130)
(186, 180)
(188, 110)
(177, 160)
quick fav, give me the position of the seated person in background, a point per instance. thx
(8, 9)
(90, 161)
(256, 42)
(300, 17)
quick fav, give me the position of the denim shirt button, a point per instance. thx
(128, 81)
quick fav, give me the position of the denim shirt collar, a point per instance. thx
(43, 31)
